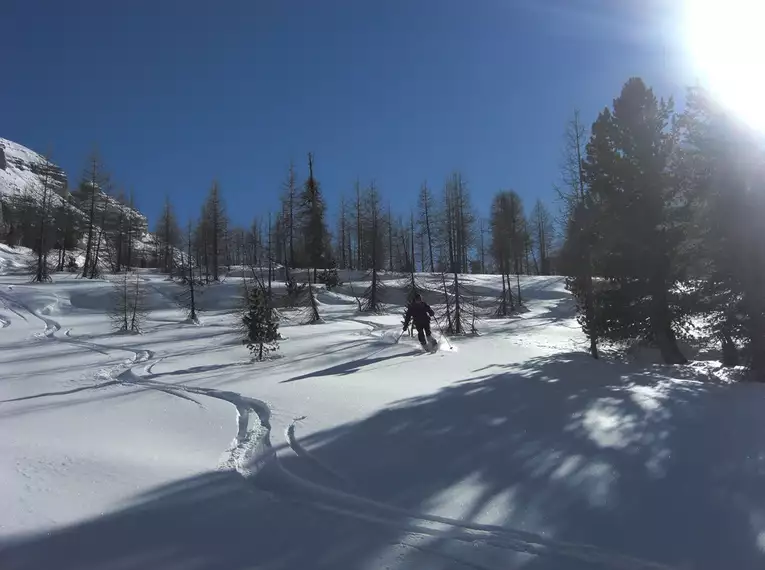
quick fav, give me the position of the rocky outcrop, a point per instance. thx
(23, 168)
(22, 175)
(3, 163)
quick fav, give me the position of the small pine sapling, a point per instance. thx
(261, 331)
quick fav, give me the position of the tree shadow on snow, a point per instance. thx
(563, 448)
(351, 366)
(212, 521)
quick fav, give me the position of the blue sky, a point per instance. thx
(178, 93)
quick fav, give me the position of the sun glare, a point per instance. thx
(726, 41)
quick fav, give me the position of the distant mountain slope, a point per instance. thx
(21, 172)
(20, 168)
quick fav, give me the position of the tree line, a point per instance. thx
(442, 233)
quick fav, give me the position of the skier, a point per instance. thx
(420, 312)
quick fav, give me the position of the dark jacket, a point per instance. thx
(420, 313)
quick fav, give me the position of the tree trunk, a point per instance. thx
(457, 316)
(89, 245)
(446, 301)
(518, 281)
(342, 235)
(589, 315)
(483, 263)
(729, 350)
(661, 325)
(411, 241)
(214, 245)
(359, 242)
(430, 238)
(503, 303)
(390, 240)
(350, 254)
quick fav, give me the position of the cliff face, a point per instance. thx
(20, 169)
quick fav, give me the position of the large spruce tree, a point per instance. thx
(723, 169)
(312, 222)
(640, 210)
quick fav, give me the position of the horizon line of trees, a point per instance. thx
(441, 234)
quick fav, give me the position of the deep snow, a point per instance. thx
(514, 449)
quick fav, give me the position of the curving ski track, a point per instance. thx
(251, 450)
(300, 451)
(254, 457)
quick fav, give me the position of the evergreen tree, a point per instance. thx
(261, 330)
(508, 239)
(169, 236)
(133, 231)
(720, 162)
(482, 246)
(289, 213)
(6, 220)
(342, 247)
(94, 181)
(67, 228)
(118, 232)
(100, 229)
(312, 222)
(640, 220)
(43, 243)
(542, 234)
(313, 304)
(374, 237)
(360, 253)
(425, 221)
(214, 227)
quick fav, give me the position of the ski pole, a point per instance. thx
(443, 336)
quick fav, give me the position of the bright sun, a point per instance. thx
(726, 40)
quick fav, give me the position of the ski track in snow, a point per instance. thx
(251, 449)
(51, 326)
(253, 456)
(295, 488)
(300, 451)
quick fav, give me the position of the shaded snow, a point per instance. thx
(516, 450)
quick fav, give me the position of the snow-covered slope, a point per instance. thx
(510, 450)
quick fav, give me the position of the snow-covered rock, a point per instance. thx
(20, 172)
(20, 168)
